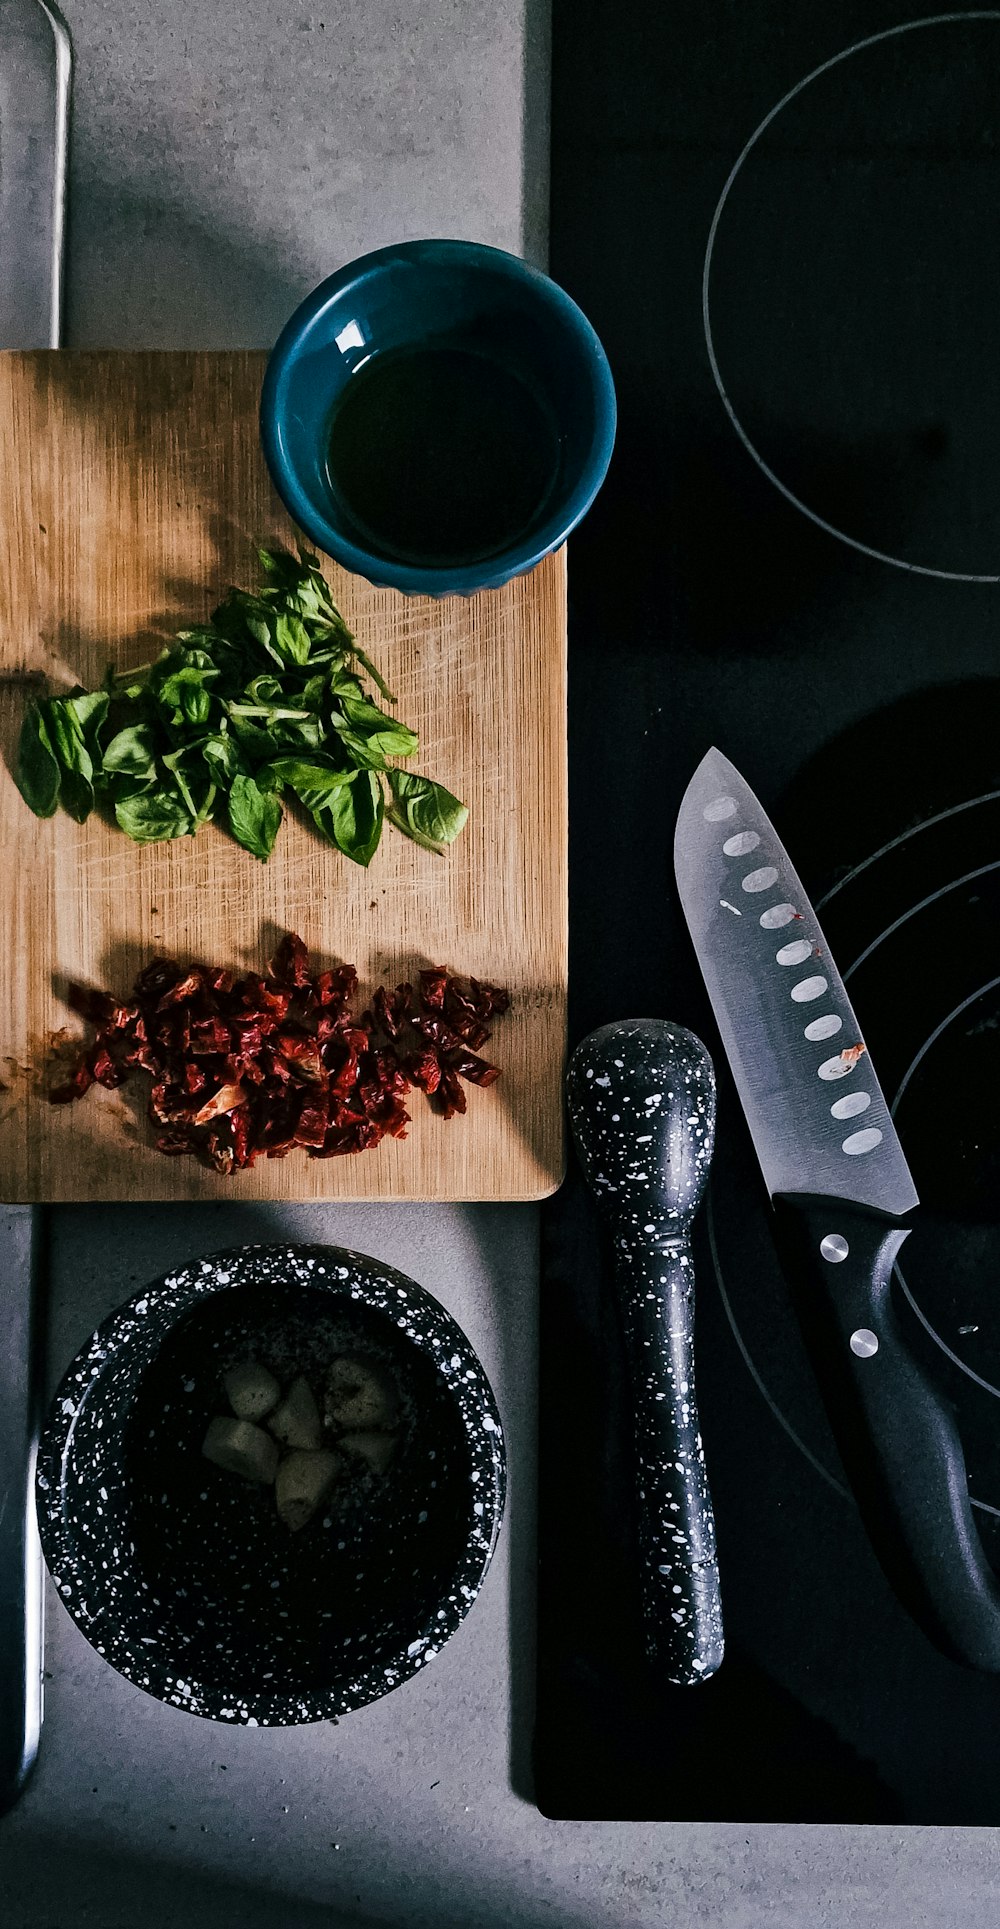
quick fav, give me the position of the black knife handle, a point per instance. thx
(895, 1430)
(681, 1604)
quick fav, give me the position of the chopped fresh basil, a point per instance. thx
(267, 697)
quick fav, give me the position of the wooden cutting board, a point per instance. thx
(132, 492)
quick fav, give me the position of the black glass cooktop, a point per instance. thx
(783, 226)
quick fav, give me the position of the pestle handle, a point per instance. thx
(641, 1098)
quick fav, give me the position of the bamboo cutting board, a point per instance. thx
(132, 492)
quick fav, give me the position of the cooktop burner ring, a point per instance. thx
(796, 501)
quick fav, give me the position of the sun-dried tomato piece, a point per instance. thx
(290, 964)
(104, 1069)
(301, 1052)
(477, 1070)
(449, 1097)
(255, 996)
(433, 985)
(210, 1037)
(437, 1032)
(156, 978)
(383, 1013)
(313, 1122)
(423, 1069)
(240, 1126)
(184, 990)
(489, 999)
(226, 1099)
(335, 987)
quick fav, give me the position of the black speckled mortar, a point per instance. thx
(182, 1576)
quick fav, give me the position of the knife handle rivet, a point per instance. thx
(834, 1247)
(864, 1343)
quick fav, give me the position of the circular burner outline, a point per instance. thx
(853, 542)
(987, 1386)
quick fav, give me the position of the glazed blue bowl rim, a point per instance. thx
(414, 579)
(343, 1273)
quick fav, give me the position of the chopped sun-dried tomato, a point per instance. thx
(241, 1067)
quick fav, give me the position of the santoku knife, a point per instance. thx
(842, 1195)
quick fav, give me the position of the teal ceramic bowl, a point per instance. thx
(528, 338)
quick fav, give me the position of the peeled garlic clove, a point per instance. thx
(295, 1421)
(375, 1449)
(360, 1396)
(303, 1483)
(241, 1448)
(251, 1390)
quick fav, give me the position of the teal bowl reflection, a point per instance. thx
(436, 294)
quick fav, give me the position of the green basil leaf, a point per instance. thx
(264, 689)
(252, 738)
(76, 791)
(291, 639)
(173, 685)
(67, 738)
(393, 739)
(152, 817)
(343, 683)
(282, 565)
(369, 748)
(425, 811)
(221, 753)
(363, 751)
(254, 817)
(77, 795)
(261, 629)
(352, 817)
(196, 705)
(90, 708)
(311, 779)
(314, 692)
(38, 773)
(132, 752)
(303, 733)
(201, 637)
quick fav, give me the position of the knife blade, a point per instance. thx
(35, 74)
(841, 1190)
(35, 71)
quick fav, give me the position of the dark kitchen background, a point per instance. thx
(796, 557)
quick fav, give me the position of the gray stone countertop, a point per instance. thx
(225, 157)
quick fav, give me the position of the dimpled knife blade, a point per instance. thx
(35, 67)
(815, 1109)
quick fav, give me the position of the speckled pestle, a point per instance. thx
(641, 1097)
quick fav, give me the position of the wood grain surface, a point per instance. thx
(132, 492)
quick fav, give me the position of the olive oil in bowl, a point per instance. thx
(440, 455)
